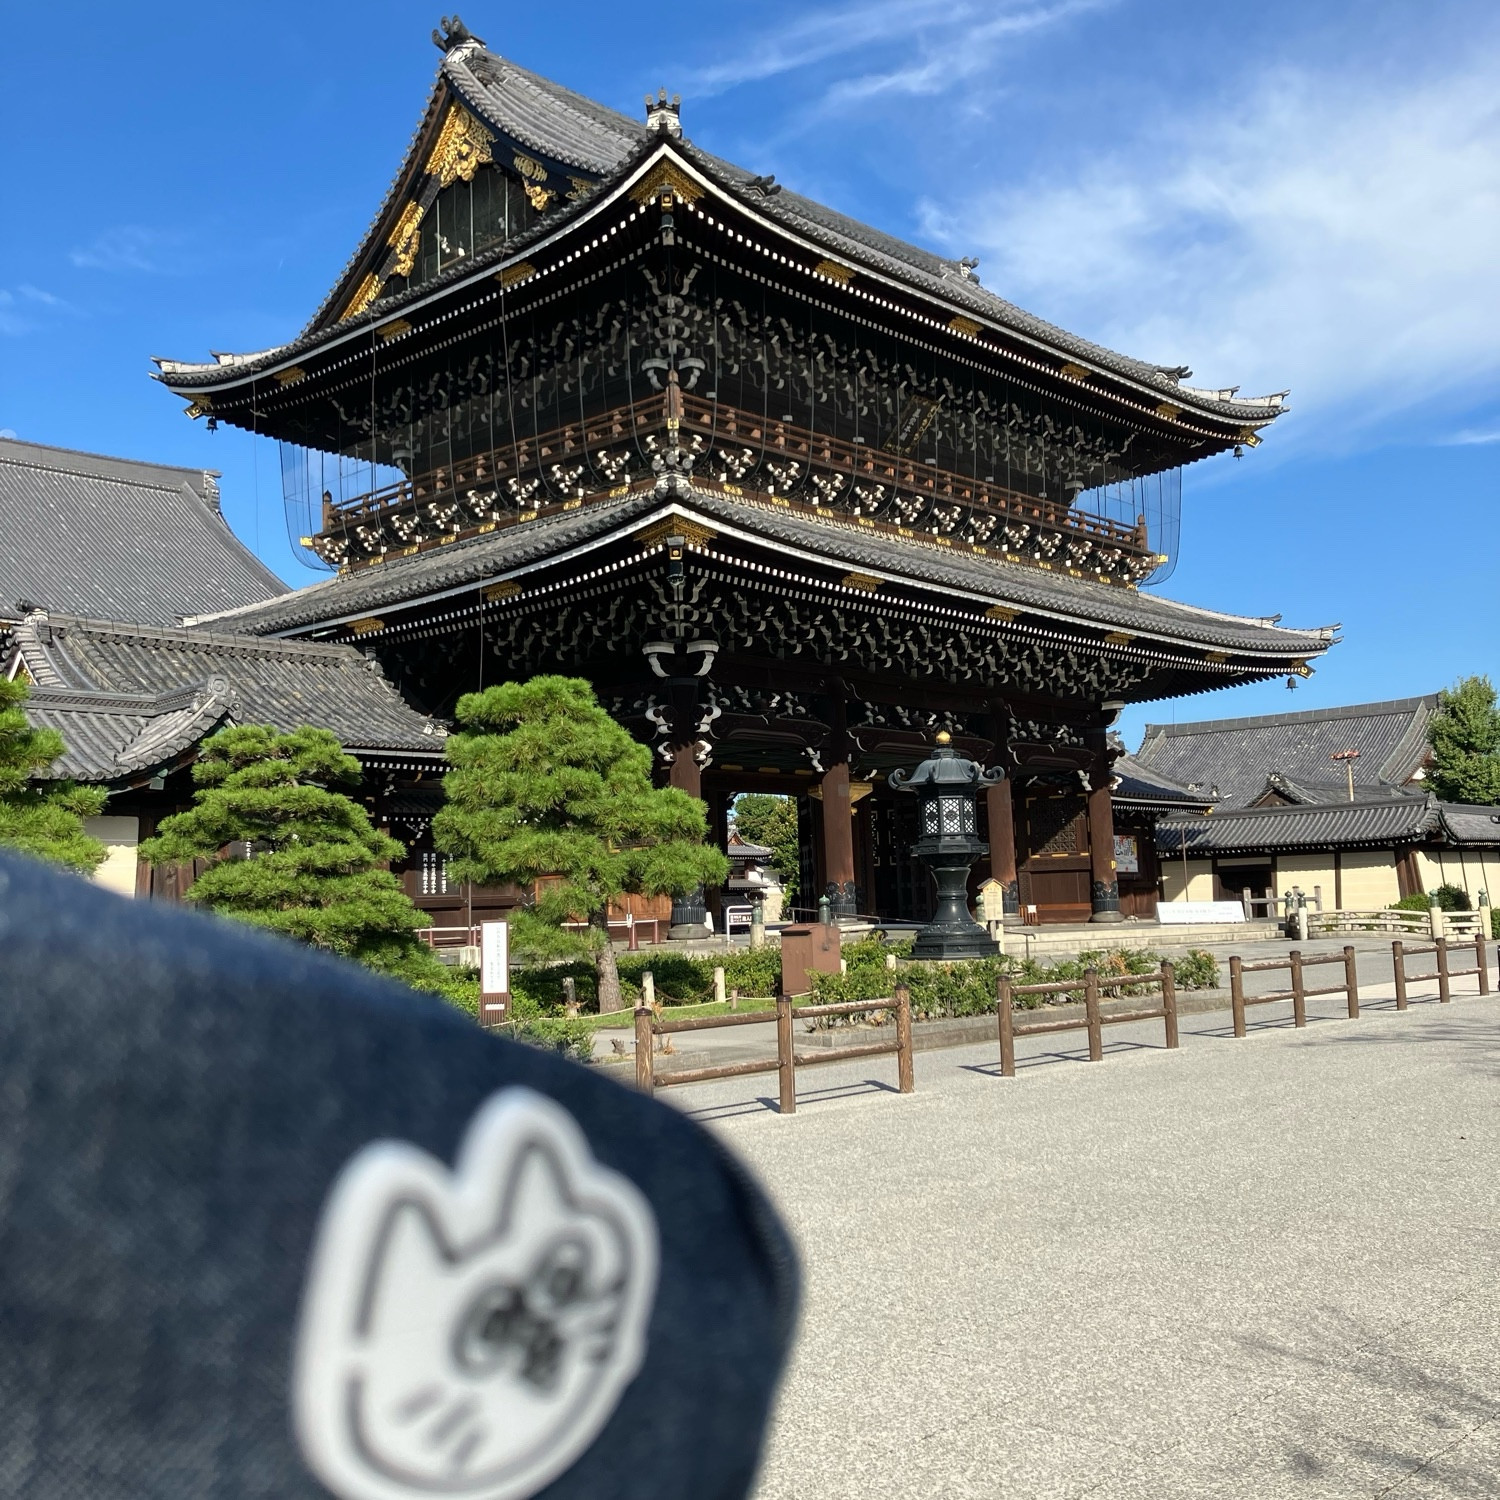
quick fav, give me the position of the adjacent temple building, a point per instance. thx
(790, 493)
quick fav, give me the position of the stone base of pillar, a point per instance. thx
(1105, 899)
(843, 899)
(689, 917)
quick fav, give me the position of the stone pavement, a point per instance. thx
(1250, 1268)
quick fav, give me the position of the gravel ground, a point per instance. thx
(1248, 1268)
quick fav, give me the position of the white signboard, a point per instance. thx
(1199, 911)
(1127, 854)
(494, 972)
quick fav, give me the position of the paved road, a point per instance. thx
(1249, 1268)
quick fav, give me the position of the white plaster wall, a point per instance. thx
(1370, 879)
(1470, 870)
(1200, 882)
(119, 837)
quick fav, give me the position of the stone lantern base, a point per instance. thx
(952, 933)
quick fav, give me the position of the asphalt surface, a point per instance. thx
(1259, 1267)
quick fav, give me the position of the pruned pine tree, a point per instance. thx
(549, 793)
(41, 817)
(1465, 738)
(316, 866)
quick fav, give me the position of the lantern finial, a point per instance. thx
(944, 738)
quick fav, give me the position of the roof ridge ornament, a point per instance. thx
(664, 116)
(454, 34)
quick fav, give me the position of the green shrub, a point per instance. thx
(572, 1037)
(1448, 898)
(1196, 970)
(756, 972)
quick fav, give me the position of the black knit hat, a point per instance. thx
(271, 1226)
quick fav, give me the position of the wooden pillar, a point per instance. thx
(1000, 808)
(1104, 884)
(689, 909)
(838, 841)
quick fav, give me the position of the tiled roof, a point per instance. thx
(1140, 786)
(118, 539)
(489, 557)
(129, 697)
(1362, 824)
(567, 127)
(1240, 755)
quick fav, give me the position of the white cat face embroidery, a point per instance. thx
(467, 1335)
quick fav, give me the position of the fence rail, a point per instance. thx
(649, 1026)
(1095, 987)
(1093, 1020)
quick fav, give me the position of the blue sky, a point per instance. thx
(1287, 195)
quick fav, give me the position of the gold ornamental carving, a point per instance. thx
(497, 591)
(291, 376)
(1001, 612)
(965, 326)
(1216, 658)
(666, 177)
(1118, 638)
(866, 582)
(1075, 372)
(510, 276)
(406, 238)
(1167, 410)
(368, 626)
(834, 272)
(690, 531)
(393, 330)
(364, 294)
(463, 146)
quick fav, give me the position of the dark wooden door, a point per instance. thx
(1054, 856)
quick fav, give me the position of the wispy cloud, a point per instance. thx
(1339, 235)
(21, 307)
(1472, 437)
(888, 47)
(127, 247)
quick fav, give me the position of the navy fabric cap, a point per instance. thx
(271, 1226)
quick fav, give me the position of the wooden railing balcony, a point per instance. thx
(743, 454)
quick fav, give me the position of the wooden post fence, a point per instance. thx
(1237, 993)
(1091, 1014)
(1299, 993)
(1094, 1020)
(1398, 961)
(1351, 981)
(1444, 992)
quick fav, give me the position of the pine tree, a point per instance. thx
(770, 820)
(1465, 739)
(42, 818)
(315, 867)
(548, 792)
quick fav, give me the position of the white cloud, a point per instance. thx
(908, 47)
(1472, 437)
(18, 308)
(129, 247)
(1338, 235)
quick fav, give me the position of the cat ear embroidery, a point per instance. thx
(468, 1334)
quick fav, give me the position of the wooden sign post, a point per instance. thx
(494, 973)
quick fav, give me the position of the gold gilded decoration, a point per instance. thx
(834, 272)
(292, 376)
(1218, 658)
(533, 182)
(497, 591)
(1249, 437)
(1075, 372)
(1167, 410)
(196, 409)
(1001, 612)
(511, 275)
(966, 326)
(581, 188)
(532, 171)
(539, 197)
(394, 329)
(463, 146)
(364, 294)
(1118, 638)
(666, 176)
(690, 531)
(863, 581)
(1302, 669)
(406, 238)
(368, 626)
